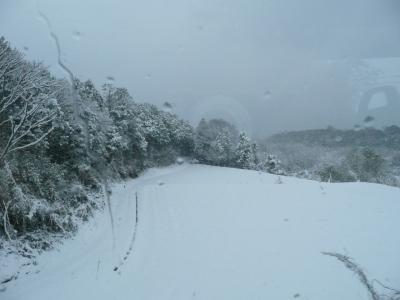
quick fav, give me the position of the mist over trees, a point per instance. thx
(219, 143)
(333, 155)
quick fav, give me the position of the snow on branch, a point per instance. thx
(28, 105)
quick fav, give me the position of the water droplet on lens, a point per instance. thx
(77, 35)
(167, 107)
(110, 79)
(368, 119)
(338, 139)
(267, 94)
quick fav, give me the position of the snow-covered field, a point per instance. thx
(217, 233)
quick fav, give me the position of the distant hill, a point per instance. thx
(331, 137)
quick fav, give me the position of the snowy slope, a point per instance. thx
(217, 233)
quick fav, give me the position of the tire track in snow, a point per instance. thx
(107, 192)
(133, 238)
(140, 183)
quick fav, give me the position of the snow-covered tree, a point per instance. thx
(203, 141)
(27, 101)
(244, 155)
(215, 142)
(365, 164)
(222, 148)
(272, 165)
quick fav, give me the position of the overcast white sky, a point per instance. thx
(262, 64)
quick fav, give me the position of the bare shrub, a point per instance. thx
(391, 294)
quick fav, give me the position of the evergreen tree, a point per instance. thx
(244, 155)
(214, 142)
(222, 149)
(272, 165)
(203, 142)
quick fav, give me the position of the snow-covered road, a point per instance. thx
(217, 233)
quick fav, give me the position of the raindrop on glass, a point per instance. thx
(306, 86)
(110, 79)
(267, 94)
(167, 106)
(369, 119)
(338, 139)
(77, 35)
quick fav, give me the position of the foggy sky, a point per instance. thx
(265, 65)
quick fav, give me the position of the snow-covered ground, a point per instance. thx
(218, 233)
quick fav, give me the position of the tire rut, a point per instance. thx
(133, 238)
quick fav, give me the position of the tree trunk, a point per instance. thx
(16, 195)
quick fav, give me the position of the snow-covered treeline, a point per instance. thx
(59, 143)
(367, 154)
(62, 141)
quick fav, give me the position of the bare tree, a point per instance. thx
(27, 101)
(28, 108)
